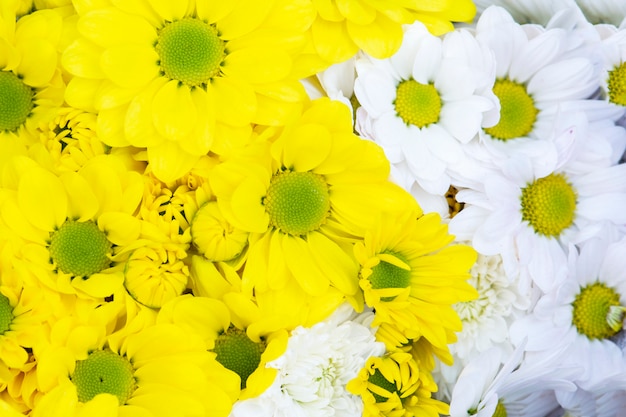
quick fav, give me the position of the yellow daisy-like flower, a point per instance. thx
(164, 75)
(73, 224)
(394, 386)
(18, 388)
(155, 370)
(304, 197)
(411, 276)
(225, 328)
(31, 86)
(342, 27)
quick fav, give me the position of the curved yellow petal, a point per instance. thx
(82, 58)
(202, 315)
(110, 127)
(174, 113)
(38, 63)
(130, 66)
(235, 101)
(111, 95)
(81, 92)
(357, 11)
(247, 207)
(200, 140)
(111, 27)
(121, 228)
(435, 25)
(306, 147)
(139, 128)
(169, 162)
(328, 10)
(83, 204)
(9, 55)
(303, 265)
(213, 11)
(41, 197)
(257, 65)
(102, 405)
(248, 16)
(170, 10)
(273, 110)
(380, 39)
(336, 116)
(45, 24)
(337, 264)
(332, 41)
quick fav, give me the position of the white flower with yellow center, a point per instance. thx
(315, 369)
(423, 103)
(584, 314)
(612, 44)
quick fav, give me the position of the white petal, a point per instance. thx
(427, 60)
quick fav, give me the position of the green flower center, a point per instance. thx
(617, 84)
(190, 51)
(549, 204)
(235, 351)
(102, 372)
(500, 410)
(80, 248)
(417, 104)
(6, 314)
(597, 312)
(517, 111)
(297, 202)
(393, 271)
(379, 380)
(16, 101)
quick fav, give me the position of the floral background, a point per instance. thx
(312, 208)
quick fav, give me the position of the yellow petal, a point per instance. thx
(83, 204)
(339, 266)
(380, 39)
(275, 111)
(133, 411)
(13, 215)
(111, 27)
(435, 25)
(82, 58)
(130, 66)
(249, 15)
(303, 266)
(257, 65)
(169, 162)
(45, 24)
(332, 41)
(205, 316)
(81, 92)
(110, 126)
(200, 140)
(110, 95)
(278, 275)
(163, 341)
(306, 147)
(357, 11)
(213, 11)
(170, 10)
(162, 400)
(328, 10)
(174, 113)
(102, 405)
(42, 199)
(121, 228)
(336, 116)
(247, 207)
(38, 63)
(235, 101)
(9, 55)
(139, 128)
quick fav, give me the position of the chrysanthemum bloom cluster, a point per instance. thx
(184, 232)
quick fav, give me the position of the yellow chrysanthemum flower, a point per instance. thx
(342, 27)
(304, 197)
(165, 75)
(411, 276)
(18, 388)
(147, 370)
(394, 386)
(73, 224)
(31, 86)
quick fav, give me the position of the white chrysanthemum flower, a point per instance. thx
(543, 77)
(604, 11)
(612, 46)
(528, 11)
(529, 216)
(423, 103)
(490, 386)
(315, 369)
(584, 314)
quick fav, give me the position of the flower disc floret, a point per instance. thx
(417, 104)
(80, 248)
(235, 351)
(617, 84)
(500, 410)
(6, 314)
(549, 204)
(378, 379)
(16, 101)
(104, 371)
(190, 51)
(297, 202)
(392, 271)
(593, 309)
(517, 111)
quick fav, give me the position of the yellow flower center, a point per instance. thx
(214, 237)
(417, 104)
(80, 248)
(500, 410)
(517, 111)
(297, 202)
(392, 271)
(549, 205)
(190, 51)
(597, 312)
(6, 314)
(379, 380)
(102, 372)
(16, 101)
(454, 207)
(235, 351)
(617, 84)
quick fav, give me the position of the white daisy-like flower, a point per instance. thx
(529, 216)
(423, 103)
(612, 46)
(544, 75)
(528, 11)
(486, 320)
(584, 314)
(604, 11)
(490, 386)
(315, 369)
